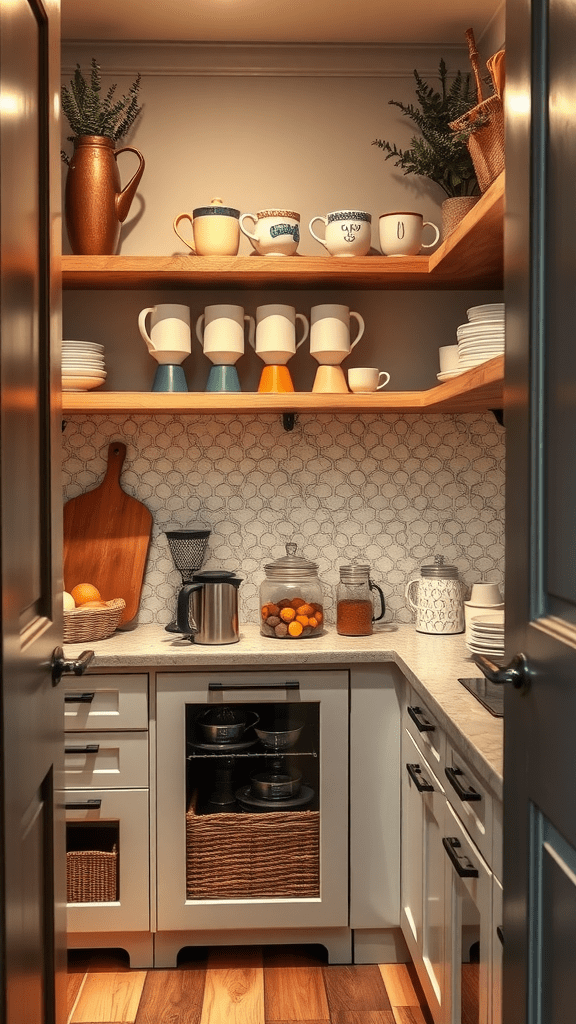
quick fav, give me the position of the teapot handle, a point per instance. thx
(185, 216)
(408, 594)
(374, 586)
(185, 624)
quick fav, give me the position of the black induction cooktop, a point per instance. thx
(491, 695)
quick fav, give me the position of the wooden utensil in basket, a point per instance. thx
(485, 143)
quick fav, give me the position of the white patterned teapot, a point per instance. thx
(439, 603)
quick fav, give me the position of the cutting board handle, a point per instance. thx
(116, 456)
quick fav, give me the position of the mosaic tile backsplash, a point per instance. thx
(393, 490)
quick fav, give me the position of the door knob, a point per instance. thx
(516, 672)
(61, 665)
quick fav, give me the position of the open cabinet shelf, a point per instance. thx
(471, 257)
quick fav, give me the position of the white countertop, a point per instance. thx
(432, 664)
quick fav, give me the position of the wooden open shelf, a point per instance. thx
(475, 390)
(471, 257)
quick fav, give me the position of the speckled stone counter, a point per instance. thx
(432, 664)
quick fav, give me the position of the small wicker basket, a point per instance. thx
(92, 876)
(486, 143)
(92, 623)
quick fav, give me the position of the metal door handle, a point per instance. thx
(463, 866)
(84, 805)
(515, 672)
(292, 685)
(61, 665)
(419, 719)
(421, 783)
(90, 748)
(464, 792)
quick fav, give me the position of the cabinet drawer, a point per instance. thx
(105, 760)
(471, 800)
(423, 727)
(98, 703)
(128, 812)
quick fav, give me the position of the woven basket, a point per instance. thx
(236, 856)
(93, 623)
(486, 144)
(92, 876)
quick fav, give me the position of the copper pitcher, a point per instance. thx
(95, 205)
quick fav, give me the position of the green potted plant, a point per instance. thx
(95, 205)
(439, 153)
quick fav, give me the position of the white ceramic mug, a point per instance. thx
(448, 358)
(330, 333)
(485, 594)
(346, 232)
(169, 340)
(220, 331)
(276, 232)
(276, 333)
(363, 379)
(401, 233)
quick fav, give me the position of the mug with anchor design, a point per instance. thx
(276, 232)
(401, 233)
(346, 232)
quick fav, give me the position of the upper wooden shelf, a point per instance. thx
(476, 390)
(471, 257)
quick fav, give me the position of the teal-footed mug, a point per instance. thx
(169, 377)
(223, 378)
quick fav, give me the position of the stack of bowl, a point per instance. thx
(82, 365)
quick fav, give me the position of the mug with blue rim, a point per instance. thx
(346, 232)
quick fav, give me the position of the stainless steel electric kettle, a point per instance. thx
(208, 608)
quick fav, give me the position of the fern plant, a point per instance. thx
(439, 153)
(90, 114)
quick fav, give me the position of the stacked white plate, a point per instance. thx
(487, 634)
(480, 339)
(82, 365)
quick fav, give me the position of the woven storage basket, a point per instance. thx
(92, 624)
(486, 144)
(92, 876)
(235, 856)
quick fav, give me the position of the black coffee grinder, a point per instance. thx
(188, 550)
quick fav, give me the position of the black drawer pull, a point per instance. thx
(464, 792)
(420, 720)
(500, 934)
(464, 867)
(84, 805)
(90, 748)
(421, 783)
(78, 698)
(291, 685)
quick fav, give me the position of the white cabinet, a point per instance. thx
(449, 892)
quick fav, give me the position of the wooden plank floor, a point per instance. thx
(242, 985)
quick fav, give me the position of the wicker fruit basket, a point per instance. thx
(92, 876)
(236, 856)
(486, 143)
(92, 623)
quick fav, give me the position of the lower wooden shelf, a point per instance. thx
(475, 390)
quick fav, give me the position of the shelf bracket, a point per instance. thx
(498, 416)
(288, 420)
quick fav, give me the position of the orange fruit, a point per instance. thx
(295, 628)
(94, 604)
(287, 614)
(83, 592)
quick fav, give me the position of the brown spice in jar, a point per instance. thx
(354, 618)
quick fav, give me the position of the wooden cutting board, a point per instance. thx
(106, 538)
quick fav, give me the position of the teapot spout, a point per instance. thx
(123, 199)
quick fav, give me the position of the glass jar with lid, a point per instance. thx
(354, 606)
(291, 598)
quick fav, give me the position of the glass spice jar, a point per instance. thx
(291, 598)
(354, 607)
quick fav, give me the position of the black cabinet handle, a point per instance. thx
(78, 698)
(500, 934)
(466, 792)
(90, 748)
(291, 685)
(61, 665)
(84, 805)
(463, 866)
(420, 720)
(421, 783)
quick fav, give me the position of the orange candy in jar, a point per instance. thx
(291, 598)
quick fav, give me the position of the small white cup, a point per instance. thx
(220, 331)
(346, 233)
(485, 594)
(276, 333)
(401, 233)
(448, 358)
(363, 379)
(330, 333)
(276, 232)
(169, 335)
